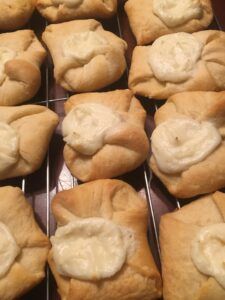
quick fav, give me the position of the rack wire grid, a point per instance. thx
(56, 175)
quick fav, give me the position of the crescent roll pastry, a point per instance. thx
(65, 10)
(23, 246)
(25, 133)
(192, 250)
(188, 143)
(104, 134)
(179, 62)
(15, 13)
(21, 55)
(100, 249)
(86, 57)
(150, 19)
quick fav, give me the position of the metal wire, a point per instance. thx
(47, 182)
(150, 202)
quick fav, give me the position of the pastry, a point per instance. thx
(15, 13)
(25, 133)
(86, 57)
(65, 10)
(104, 134)
(192, 250)
(179, 62)
(100, 249)
(21, 55)
(150, 19)
(23, 246)
(188, 143)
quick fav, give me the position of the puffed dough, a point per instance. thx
(15, 13)
(178, 230)
(207, 175)
(147, 26)
(66, 10)
(208, 73)
(28, 268)
(21, 55)
(117, 202)
(34, 126)
(95, 61)
(125, 146)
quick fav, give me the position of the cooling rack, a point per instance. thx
(54, 176)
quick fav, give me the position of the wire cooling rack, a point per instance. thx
(54, 176)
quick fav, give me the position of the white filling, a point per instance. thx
(9, 146)
(89, 249)
(177, 12)
(6, 54)
(208, 251)
(9, 249)
(173, 57)
(182, 142)
(84, 46)
(85, 127)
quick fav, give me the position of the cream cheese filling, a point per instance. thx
(173, 57)
(89, 249)
(6, 54)
(208, 251)
(179, 143)
(9, 146)
(83, 46)
(9, 249)
(177, 12)
(85, 126)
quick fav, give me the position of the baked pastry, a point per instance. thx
(179, 62)
(104, 134)
(23, 247)
(86, 57)
(188, 143)
(101, 235)
(15, 13)
(21, 55)
(66, 10)
(25, 133)
(192, 250)
(150, 19)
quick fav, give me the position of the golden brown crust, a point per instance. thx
(181, 279)
(118, 202)
(147, 27)
(209, 73)
(85, 9)
(28, 269)
(15, 13)
(125, 148)
(208, 175)
(23, 77)
(97, 73)
(35, 126)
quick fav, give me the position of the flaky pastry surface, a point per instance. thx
(34, 125)
(60, 11)
(28, 268)
(125, 148)
(181, 279)
(22, 72)
(208, 74)
(147, 26)
(116, 201)
(89, 74)
(15, 13)
(209, 174)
